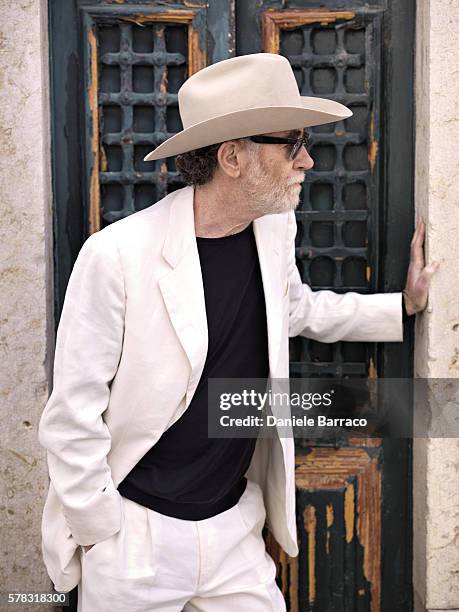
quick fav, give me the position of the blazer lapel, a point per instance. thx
(268, 254)
(269, 265)
(183, 291)
(182, 287)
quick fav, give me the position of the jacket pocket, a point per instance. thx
(59, 548)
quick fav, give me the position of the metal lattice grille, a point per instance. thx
(333, 55)
(139, 101)
(137, 63)
(334, 215)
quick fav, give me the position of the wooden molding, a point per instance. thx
(196, 60)
(273, 21)
(357, 474)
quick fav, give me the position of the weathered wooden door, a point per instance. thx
(353, 500)
(116, 68)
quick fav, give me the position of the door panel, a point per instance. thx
(116, 68)
(135, 63)
(335, 54)
(352, 502)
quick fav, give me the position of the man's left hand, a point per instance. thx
(419, 276)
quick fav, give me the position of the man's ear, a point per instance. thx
(229, 157)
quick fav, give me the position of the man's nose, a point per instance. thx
(303, 159)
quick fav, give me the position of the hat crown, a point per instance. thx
(240, 83)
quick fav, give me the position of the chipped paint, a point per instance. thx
(293, 584)
(372, 371)
(284, 568)
(349, 516)
(195, 5)
(330, 518)
(168, 16)
(94, 188)
(273, 21)
(135, 21)
(372, 154)
(103, 159)
(373, 148)
(310, 525)
(369, 528)
(287, 571)
(333, 469)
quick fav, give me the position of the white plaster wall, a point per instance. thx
(25, 288)
(436, 461)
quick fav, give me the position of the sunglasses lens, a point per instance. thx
(296, 149)
(303, 141)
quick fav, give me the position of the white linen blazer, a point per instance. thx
(130, 348)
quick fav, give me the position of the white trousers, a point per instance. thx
(157, 562)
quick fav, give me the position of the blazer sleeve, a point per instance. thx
(327, 316)
(88, 349)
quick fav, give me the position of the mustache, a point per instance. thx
(295, 181)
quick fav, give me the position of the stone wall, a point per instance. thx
(26, 316)
(436, 461)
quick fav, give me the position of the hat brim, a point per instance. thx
(252, 121)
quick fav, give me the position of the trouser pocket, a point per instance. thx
(252, 513)
(132, 552)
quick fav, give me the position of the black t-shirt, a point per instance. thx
(186, 474)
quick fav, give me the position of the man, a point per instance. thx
(144, 511)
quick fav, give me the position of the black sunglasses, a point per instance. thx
(297, 143)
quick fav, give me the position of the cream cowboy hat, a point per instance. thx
(244, 96)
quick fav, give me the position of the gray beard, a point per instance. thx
(264, 195)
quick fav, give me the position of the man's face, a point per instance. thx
(272, 181)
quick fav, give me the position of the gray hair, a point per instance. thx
(197, 167)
